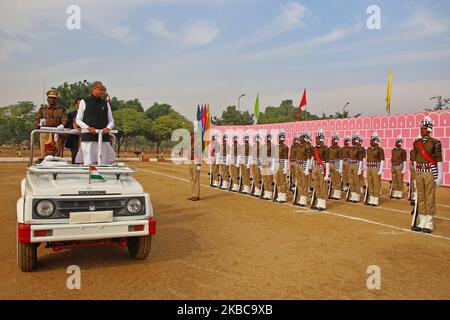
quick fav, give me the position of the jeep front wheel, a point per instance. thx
(27, 256)
(139, 247)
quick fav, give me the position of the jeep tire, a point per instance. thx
(139, 247)
(26, 256)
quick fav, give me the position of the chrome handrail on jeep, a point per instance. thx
(67, 131)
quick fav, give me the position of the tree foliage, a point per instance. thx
(16, 122)
(440, 104)
(232, 116)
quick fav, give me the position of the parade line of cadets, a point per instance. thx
(315, 173)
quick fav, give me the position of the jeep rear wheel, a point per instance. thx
(139, 247)
(27, 256)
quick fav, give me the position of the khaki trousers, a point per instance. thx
(245, 175)
(426, 193)
(43, 138)
(302, 181)
(215, 171)
(195, 179)
(319, 183)
(281, 181)
(345, 173)
(397, 179)
(374, 182)
(412, 172)
(234, 171)
(267, 176)
(256, 174)
(353, 177)
(224, 172)
(335, 177)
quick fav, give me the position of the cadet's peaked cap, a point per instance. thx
(52, 93)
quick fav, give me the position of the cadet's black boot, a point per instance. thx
(416, 229)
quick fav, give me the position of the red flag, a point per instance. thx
(302, 104)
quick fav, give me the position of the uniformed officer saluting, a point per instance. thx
(321, 170)
(50, 115)
(398, 164)
(428, 161)
(375, 168)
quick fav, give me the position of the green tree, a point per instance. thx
(16, 122)
(286, 112)
(117, 104)
(231, 116)
(158, 110)
(68, 92)
(161, 128)
(130, 123)
(440, 104)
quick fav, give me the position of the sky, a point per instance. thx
(190, 52)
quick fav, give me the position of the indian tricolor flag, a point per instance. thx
(94, 175)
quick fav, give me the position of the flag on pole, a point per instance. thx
(207, 124)
(388, 95)
(95, 175)
(257, 108)
(302, 104)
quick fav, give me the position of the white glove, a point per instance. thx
(439, 177)
(306, 170)
(228, 159)
(272, 166)
(404, 167)
(42, 123)
(341, 166)
(250, 159)
(380, 172)
(199, 167)
(360, 166)
(60, 127)
(286, 166)
(327, 173)
(238, 162)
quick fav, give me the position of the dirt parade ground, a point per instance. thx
(232, 246)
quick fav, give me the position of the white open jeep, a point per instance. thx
(62, 207)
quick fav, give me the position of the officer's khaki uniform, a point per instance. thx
(283, 153)
(356, 155)
(224, 172)
(361, 183)
(234, 170)
(54, 116)
(244, 163)
(335, 162)
(292, 164)
(345, 169)
(214, 164)
(425, 180)
(398, 159)
(412, 172)
(310, 176)
(255, 167)
(194, 171)
(374, 157)
(321, 152)
(266, 172)
(302, 155)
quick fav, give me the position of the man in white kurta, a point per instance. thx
(95, 114)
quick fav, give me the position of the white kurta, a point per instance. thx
(88, 153)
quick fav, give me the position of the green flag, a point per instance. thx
(257, 108)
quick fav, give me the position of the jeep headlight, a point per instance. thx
(45, 208)
(134, 205)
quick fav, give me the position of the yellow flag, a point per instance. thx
(388, 95)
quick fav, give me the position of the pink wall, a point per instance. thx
(388, 128)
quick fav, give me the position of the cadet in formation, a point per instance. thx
(321, 170)
(398, 167)
(427, 153)
(281, 168)
(336, 167)
(375, 168)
